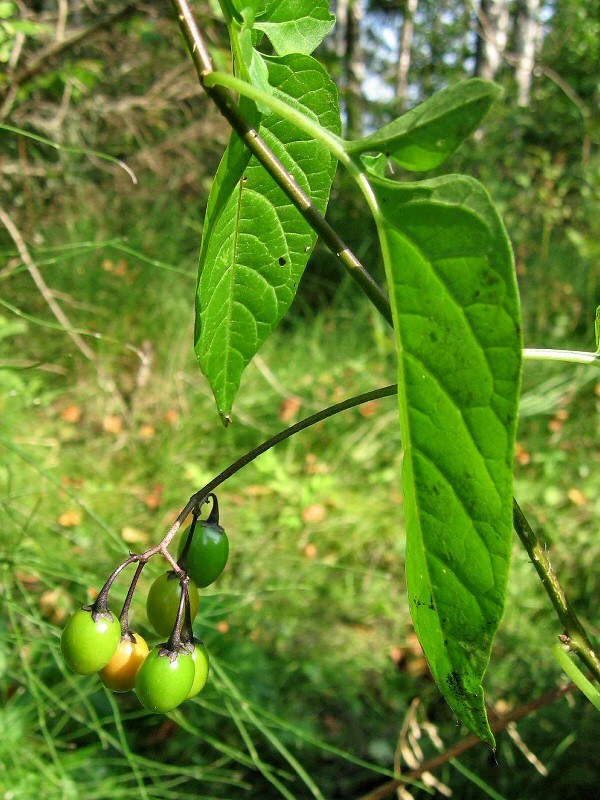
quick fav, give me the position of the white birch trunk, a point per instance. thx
(527, 30)
(404, 52)
(493, 18)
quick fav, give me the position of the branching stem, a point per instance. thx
(200, 497)
(215, 85)
(224, 101)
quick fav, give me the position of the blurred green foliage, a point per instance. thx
(314, 660)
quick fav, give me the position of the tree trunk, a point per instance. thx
(527, 29)
(341, 25)
(492, 33)
(354, 68)
(404, 53)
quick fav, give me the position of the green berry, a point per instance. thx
(201, 666)
(207, 554)
(88, 644)
(164, 679)
(162, 602)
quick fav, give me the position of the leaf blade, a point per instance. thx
(256, 244)
(456, 318)
(292, 26)
(295, 26)
(425, 136)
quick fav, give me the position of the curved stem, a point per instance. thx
(336, 147)
(100, 605)
(335, 144)
(124, 615)
(199, 497)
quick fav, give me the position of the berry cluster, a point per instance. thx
(94, 640)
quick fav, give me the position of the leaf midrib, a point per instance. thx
(233, 270)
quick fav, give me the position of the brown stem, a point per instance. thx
(466, 744)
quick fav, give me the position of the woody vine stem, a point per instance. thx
(574, 635)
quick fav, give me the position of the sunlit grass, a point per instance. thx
(314, 667)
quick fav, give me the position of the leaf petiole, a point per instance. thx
(573, 356)
(577, 676)
(335, 144)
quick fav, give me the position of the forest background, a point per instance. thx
(107, 425)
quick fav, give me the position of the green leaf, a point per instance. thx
(376, 165)
(456, 317)
(293, 26)
(426, 135)
(255, 244)
(597, 329)
(253, 66)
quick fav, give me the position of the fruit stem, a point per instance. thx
(100, 605)
(213, 517)
(182, 560)
(124, 615)
(174, 643)
(187, 633)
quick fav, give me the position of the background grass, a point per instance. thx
(318, 688)
(315, 668)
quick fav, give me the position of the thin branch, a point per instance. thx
(257, 146)
(198, 498)
(466, 744)
(574, 633)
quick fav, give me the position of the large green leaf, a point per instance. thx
(426, 135)
(293, 26)
(255, 244)
(456, 316)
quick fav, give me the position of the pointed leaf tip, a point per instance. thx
(255, 243)
(428, 134)
(457, 325)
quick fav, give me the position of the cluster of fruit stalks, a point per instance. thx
(94, 640)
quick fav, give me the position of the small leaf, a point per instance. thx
(255, 243)
(293, 26)
(456, 318)
(256, 71)
(425, 136)
(376, 165)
